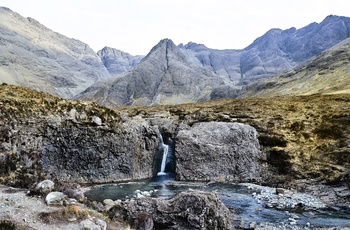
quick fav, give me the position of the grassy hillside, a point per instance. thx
(327, 73)
(303, 136)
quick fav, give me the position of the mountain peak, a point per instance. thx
(117, 61)
(5, 9)
(168, 43)
(195, 46)
(163, 45)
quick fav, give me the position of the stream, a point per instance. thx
(239, 198)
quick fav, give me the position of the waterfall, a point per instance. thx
(165, 156)
(166, 149)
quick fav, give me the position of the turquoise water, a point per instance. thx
(235, 197)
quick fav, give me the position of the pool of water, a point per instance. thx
(235, 197)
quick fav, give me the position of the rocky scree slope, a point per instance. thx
(164, 76)
(327, 73)
(117, 61)
(36, 57)
(274, 52)
(193, 72)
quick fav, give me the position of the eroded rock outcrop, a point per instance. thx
(188, 210)
(66, 142)
(81, 143)
(99, 153)
(216, 151)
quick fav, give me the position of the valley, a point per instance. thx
(272, 120)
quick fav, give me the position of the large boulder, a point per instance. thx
(218, 151)
(101, 154)
(188, 210)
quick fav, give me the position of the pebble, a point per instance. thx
(281, 201)
(285, 199)
(294, 216)
(141, 194)
(72, 219)
(252, 225)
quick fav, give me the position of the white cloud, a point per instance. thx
(136, 25)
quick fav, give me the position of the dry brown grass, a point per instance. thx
(303, 136)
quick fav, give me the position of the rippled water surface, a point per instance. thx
(235, 197)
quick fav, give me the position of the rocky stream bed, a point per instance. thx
(162, 203)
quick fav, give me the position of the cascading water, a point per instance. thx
(165, 155)
(165, 149)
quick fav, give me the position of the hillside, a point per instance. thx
(164, 76)
(36, 57)
(327, 73)
(274, 52)
(304, 137)
(222, 73)
(117, 61)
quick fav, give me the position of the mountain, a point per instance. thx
(186, 73)
(39, 58)
(327, 73)
(117, 61)
(36, 57)
(274, 52)
(222, 62)
(165, 76)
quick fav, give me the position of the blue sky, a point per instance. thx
(135, 26)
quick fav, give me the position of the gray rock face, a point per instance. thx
(100, 154)
(275, 52)
(188, 210)
(36, 57)
(221, 62)
(193, 72)
(218, 151)
(73, 149)
(165, 76)
(326, 73)
(117, 61)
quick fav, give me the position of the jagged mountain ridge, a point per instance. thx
(117, 61)
(274, 52)
(38, 58)
(327, 73)
(164, 76)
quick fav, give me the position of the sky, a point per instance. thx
(135, 26)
